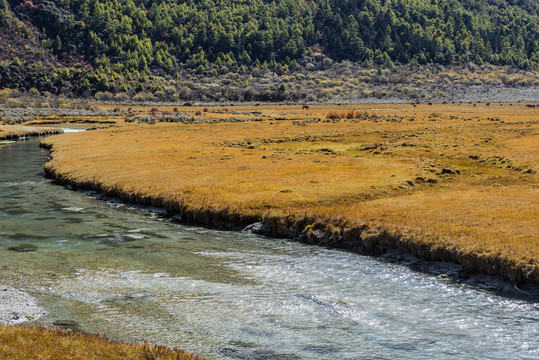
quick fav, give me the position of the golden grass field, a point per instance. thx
(24, 343)
(16, 131)
(452, 182)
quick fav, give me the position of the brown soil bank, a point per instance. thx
(455, 183)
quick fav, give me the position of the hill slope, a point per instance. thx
(138, 38)
(165, 34)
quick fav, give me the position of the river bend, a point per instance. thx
(133, 275)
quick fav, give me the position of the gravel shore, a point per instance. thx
(16, 306)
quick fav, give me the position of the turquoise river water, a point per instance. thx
(134, 275)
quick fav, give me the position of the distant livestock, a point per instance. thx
(305, 107)
(530, 106)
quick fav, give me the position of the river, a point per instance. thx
(134, 275)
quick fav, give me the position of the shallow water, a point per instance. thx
(135, 276)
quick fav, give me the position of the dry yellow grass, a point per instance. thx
(16, 131)
(20, 342)
(446, 182)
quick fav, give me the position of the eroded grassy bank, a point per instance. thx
(23, 342)
(444, 182)
(8, 132)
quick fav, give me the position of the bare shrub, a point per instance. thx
(121, 97)
(333, 115)
(13, 103)
(104, 96)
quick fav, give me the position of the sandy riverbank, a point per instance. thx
(16, 306)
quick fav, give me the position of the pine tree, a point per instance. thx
(4, 10)
(57, 44)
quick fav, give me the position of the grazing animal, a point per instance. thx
(474, 105)
(305, 107)
(488, 104)
(530, 106)
(430, 104)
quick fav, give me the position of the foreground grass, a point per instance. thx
(445, 182)
(22, 342)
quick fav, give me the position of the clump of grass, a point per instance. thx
(333, 115)
(359, 114)
(23, 342)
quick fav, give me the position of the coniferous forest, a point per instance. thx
(105, 45)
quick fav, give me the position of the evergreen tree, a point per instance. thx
(4, 10)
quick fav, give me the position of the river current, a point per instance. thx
(134, 275)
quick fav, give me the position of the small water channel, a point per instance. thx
(134, 275)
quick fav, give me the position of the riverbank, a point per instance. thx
(14, 132)
(24, 342)
(444, 182)
(16, 306)
(19, 311)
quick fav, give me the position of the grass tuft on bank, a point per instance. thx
(24, 342)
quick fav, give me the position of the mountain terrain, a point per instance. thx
(157, 48)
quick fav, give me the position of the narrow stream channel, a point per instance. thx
(135, 276)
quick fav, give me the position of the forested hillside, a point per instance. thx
(136, 38)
